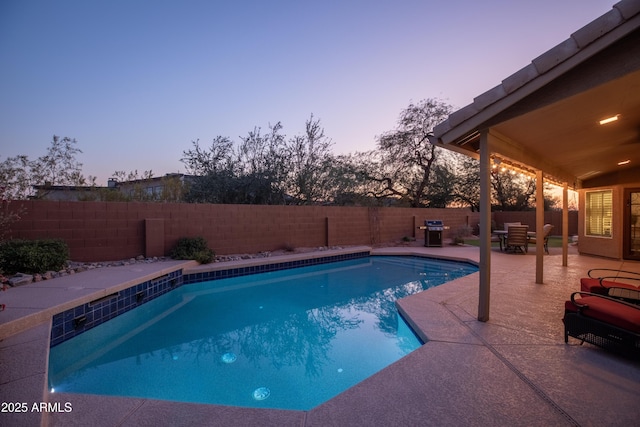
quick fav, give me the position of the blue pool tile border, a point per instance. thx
(77, 320)
(266, 268)
(74, 321)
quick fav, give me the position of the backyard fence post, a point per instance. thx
(153, 237)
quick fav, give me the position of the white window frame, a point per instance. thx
(598, 218)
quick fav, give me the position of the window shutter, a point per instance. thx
(599, 213)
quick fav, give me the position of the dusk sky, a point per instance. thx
(136, 81)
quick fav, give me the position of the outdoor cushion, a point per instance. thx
(593, 285)
(614, 313)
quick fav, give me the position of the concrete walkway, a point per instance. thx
(513, 370)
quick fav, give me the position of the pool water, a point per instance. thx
(290, 339)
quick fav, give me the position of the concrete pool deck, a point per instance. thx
(513, 370)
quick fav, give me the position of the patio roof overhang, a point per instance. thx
(546, 116)
(545, 119)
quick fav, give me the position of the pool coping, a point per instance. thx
(28, 320)
(453, 333)
(24, 315)
(36, 324)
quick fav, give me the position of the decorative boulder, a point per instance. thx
(20, 279)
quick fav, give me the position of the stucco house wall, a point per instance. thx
(609, 247)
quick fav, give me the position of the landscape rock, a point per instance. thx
(78, 267)
(20, 279)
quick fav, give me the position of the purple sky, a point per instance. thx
(136, 81)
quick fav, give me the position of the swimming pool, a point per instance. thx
(289, 339)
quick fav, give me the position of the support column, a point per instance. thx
(485, 227)
(565, 225)
(539, 227)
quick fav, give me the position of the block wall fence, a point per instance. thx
(105, 231)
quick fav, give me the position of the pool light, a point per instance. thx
(229, 357)
(261, 393)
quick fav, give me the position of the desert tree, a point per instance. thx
(402, 165)
(311, 173)
(213, 169)
(262, 164)
(512, 192)
(252, 172)
(466, 176)
(59, 166)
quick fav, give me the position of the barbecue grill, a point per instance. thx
(433, 232)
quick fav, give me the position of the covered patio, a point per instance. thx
(571, 117)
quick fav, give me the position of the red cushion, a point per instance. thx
(617, 314)
(570, 306)
(588, 284)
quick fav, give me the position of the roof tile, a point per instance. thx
(442, 127)
(597, 28)
(520, 78)
(628, 8)
(462, 114)
(489, 97)
(555, 55)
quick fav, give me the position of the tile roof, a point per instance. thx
(586, 36)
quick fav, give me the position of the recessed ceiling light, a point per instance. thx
(609, 119)
(624, 162)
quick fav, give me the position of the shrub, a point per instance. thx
(195, 248)
(33, 256)
(288, 247)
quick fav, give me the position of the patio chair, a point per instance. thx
(546, 232)
(494, 237)
(517, 238)
(603, 321)
(510, 224)
(611, 282)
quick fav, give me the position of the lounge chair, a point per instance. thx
(546, 231)
(603, 321)
(608, 281)
(517, 238)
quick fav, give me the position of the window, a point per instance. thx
(599, 208)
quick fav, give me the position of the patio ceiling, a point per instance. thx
(566, 139)
(546, 116)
